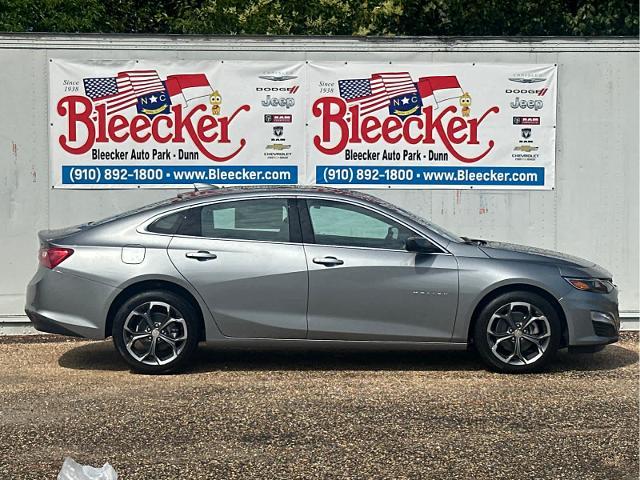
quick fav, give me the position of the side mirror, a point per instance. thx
(420, 245)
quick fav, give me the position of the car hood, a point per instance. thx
(566, 263)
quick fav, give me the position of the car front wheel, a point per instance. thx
(517, 332)
(156, 332)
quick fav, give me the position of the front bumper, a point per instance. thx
(592, 318)
(64, 303)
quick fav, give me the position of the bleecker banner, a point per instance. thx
(123, 124)
(166, 124)
(424, 125)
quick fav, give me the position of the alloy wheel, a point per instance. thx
(518, 333)
(155, 333)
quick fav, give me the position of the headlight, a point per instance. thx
(591, 284)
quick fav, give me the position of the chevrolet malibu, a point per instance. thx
(277, 266)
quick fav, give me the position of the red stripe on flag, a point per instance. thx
(440, 83)
(191, 80)
(173, 86)
(428, 85)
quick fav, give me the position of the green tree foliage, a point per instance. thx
(325, 17)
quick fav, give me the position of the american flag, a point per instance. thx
(123, 90)
(375, 92)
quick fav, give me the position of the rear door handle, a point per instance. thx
(201, 255)
(328, 261)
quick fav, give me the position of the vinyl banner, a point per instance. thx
(141, 123)
(424, 125)
(170, 124)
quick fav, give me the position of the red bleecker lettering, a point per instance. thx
(187, 124)
(369, 125)
(342, 126)
(139, 124)
(83, 121)
(117, 124)
(155, 128)
(406, 130)
(473, 126)
(322, 107)
(78, 110)
(355, 117)
(225, 121)
(102, 123)
(457, 124)
(394, 125)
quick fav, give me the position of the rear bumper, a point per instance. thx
(63, 303)
(592, 318)
(47, 325)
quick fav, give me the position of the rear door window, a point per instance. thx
(264, 219)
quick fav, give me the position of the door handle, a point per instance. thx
(201, 255)
(328, 261)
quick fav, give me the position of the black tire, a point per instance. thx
(169, 346)
(509, 302)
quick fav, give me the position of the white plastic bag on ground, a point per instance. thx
(72, 470)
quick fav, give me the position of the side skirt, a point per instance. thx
(273, 343)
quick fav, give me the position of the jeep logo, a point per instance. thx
(540, 92)
(286, 102)
(532, 104)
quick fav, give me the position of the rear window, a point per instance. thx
(167, 225)
(133, 212)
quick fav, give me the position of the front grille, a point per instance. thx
(604, 329)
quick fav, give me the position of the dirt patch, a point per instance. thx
(319, 414)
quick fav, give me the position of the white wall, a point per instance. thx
(593, 211)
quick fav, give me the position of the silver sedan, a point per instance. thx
(311, 266)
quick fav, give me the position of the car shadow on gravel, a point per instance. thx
(103, 356)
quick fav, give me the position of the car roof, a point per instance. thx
(215, 192)
(210, 192)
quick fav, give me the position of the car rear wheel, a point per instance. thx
(517, 332)
(156, 331)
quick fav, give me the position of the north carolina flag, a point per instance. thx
(190, 86)
(441, 88)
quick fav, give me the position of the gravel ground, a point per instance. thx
(317, 415)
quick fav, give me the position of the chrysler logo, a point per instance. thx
(527, 79)
(277, 78)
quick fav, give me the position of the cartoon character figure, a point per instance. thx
(465, 103)
(215, 101)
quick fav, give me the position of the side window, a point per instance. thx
(168, 224)
(336, 223)
(265, 219)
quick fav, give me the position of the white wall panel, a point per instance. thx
(592, 213)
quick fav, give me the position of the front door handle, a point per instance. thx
(328, 261)
(201, 255)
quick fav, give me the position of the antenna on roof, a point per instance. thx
(199, 187)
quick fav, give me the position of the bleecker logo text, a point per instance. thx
(339, 129)
(87, 126)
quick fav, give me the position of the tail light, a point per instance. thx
(51, 257)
